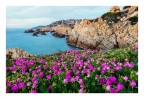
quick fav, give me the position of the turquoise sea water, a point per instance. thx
(43, 44)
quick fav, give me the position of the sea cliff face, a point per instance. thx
(106, 33)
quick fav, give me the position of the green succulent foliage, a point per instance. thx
(91, 83)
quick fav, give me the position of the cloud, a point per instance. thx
(27, 16)
(28, 23)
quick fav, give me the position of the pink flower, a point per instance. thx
(14, 88)
(33, 79)
(112, 90)
(80, 81)
(29, 83)
(73, 79)
(126, 64)
(68, 77)
(19, 79)
(41, 74)
(82, 85)
(99, 68)
(33, 91)
(45, 67)
(119, 86)
(21, 84)
(81, 90)
(118, 67)
(102, 81)
(108, 82)
(59, 72)
(131, 65)
(77, 77)
(111, 70)
(34, 85)
(106, 60)
(133, 84)
(77, 71)
(112, 79)
(125, 78)
(48, 77)
(108, 87)
(91, 67)
(65, 80)
(49, 87)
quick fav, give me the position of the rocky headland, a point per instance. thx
(59, 28)
(115, 29)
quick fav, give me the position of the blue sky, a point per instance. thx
(31, 16)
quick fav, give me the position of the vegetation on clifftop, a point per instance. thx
(112, 17)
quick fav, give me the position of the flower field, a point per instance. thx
(75, 71)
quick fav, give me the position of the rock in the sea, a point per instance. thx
(35, 33)
(59, 28)
(60, 35)
(42, 33)
(62, 29)
(29, 31)
(13, 53)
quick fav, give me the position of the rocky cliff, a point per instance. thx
(115, 29)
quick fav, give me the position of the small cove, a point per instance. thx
(43, 44)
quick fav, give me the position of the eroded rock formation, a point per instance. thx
(13, 53)
(102, 35)
(114, 9)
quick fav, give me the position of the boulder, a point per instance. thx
(132, 9)
(114, 9)
(13, 53)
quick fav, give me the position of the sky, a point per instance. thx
(31, 16)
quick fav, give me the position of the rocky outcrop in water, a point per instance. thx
(13, 53)
(59, 28)
(29, 31)
(38, 31)
(112, 30)
(58, 35)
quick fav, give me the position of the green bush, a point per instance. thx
(133, 20)
(110, 16)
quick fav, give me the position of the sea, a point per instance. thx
(41, 45)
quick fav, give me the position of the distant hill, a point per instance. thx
(37, 27)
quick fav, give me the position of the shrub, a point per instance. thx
(110, 16)
(133, 20)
